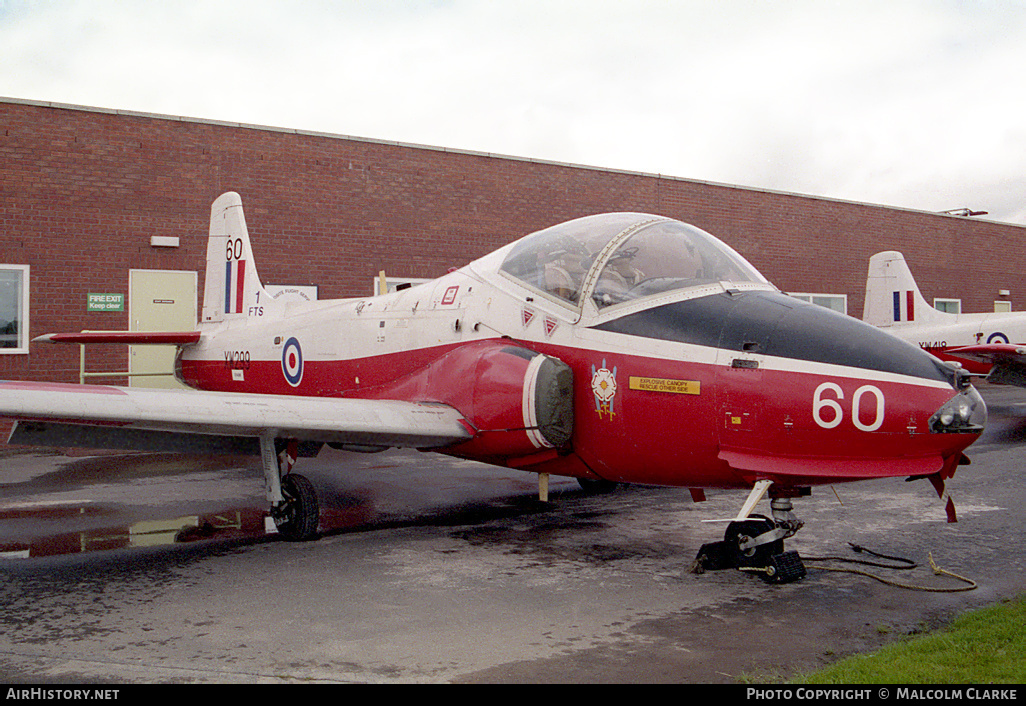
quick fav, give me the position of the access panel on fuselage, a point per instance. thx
(643, 410)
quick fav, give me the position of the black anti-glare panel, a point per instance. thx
(776, 324)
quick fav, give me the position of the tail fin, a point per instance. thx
(892, 295)
(232, 287)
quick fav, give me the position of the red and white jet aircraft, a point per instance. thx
(992, 344)
(616, 348)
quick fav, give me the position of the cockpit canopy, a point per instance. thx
(619, 257)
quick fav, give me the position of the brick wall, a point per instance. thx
(82, 191)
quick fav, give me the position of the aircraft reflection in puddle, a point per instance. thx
(165, 499)
(224, 526)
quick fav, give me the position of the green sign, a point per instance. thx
(105, 302)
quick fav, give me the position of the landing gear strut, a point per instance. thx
(755, 543)
(293, 499)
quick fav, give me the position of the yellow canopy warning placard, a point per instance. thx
(680, 387)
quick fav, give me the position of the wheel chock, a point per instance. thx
(785, 568)
(715, 556)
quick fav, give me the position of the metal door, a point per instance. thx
(159, 300)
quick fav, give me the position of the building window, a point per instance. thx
(948, 306)
(836, 302)
(1002, 307)
(14, 314)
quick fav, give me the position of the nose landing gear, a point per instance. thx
(755, 543)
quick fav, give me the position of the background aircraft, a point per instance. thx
(985, 344)
(615, 348)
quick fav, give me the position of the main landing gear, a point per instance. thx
(294, 507)
(755, 543)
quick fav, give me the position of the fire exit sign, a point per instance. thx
(105, 302)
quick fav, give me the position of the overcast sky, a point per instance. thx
(912, 103)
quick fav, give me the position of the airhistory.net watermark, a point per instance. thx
(47, 694)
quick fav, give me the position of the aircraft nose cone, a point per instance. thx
(965, 413)
(930, 395)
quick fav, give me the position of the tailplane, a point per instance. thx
(892, 295)
(232, 286)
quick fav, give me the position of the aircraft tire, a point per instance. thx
(298, 518)
(757, 556)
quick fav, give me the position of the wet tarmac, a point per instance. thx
(142, 568)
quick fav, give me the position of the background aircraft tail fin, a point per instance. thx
(232, 286)
(892, 295)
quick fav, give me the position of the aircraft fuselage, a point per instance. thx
(712, 390)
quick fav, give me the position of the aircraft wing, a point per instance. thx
(179, 338)
(992, 353)
(1008, 361)
(101, 416)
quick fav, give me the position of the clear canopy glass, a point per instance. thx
(620, 257)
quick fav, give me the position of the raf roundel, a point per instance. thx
(292, 362)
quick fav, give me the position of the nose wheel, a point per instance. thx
(755, 543)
